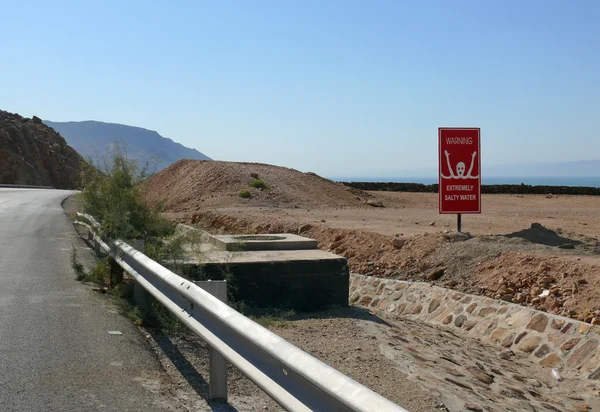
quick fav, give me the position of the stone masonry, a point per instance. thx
(552, 341)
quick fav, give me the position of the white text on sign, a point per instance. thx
(459, 140)
(460, 197)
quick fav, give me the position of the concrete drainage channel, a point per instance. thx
(293, 378)
(487, 351)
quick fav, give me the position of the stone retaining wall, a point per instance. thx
(553, 341)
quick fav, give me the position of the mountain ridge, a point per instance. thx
(93, 138)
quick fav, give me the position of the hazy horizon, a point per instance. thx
(337, 87)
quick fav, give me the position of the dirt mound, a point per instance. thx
(544, 236)
(190, 185)
(32, 153)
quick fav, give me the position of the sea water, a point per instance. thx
(494, 180)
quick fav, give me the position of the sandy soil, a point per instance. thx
(507, 258)
(408, 214)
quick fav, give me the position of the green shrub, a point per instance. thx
(77, 266)
(245, 194)
(111, 193)
(258, 184)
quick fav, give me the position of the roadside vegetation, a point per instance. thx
(111, 194)
(258, 184)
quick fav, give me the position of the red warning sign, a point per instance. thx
(459, 170)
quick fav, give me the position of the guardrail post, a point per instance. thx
(97, 248)
(217, 363)
(116, 273)
(143, 298)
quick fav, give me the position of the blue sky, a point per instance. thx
(340, 88)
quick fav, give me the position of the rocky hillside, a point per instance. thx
(32, 153)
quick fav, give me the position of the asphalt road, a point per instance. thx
(55, 350)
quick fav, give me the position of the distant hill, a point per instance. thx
(580, 168)
(31, 153)
(93, 139)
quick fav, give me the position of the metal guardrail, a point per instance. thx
(292, 377)
(24, 186)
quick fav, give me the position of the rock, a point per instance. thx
(582, 353)
(557, 323)
(457, 236)
(375, 203)
(595, 375)
(471, 307)
(473, 407)
(566, 246)
(552, 361)
(538, 323)
(582, 282)
(508, 341)
(451, 284)
(254, 175)
(542, 351)
(417, 310)
(507, 297)
(460, 320)
(334, 245)
(486, 311)
(398, 242)
(506, 354)
(431, 223)
(436, 273)
(32, 153)
(570, 344)
(480, 375)
(322, 220)
(595, 321)
(434, 304)
(462, 385)
(366, 300)
(529, 345)
(304, 228)
(519, 337)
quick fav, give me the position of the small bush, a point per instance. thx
(77, 266)
(258, 184)
(112, 194)
(100, 273)
(245, 194)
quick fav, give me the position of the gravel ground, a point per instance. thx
(339, 337)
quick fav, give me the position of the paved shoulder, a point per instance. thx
(55, 350)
